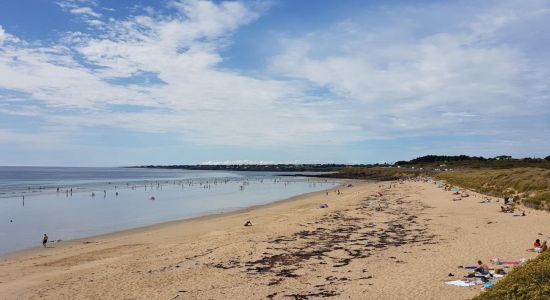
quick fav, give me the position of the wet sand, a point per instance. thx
(401, 245)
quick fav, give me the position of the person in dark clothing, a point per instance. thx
(45, 240)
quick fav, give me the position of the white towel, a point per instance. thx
(461, 283)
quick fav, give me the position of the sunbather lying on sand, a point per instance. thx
(506, 209)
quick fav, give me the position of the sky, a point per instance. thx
(117, 83)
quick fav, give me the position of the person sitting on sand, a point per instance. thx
(248, 223)
(537, 246)
(45, 240)
(544, 246)
(482, 270)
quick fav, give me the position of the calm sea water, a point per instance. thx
(70, 203)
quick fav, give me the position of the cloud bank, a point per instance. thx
(406, 72)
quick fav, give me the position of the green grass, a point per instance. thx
(530, 185)
(530, 281)
(381, 174)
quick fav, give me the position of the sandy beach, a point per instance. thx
(401, 245)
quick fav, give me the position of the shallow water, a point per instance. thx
(31, 205)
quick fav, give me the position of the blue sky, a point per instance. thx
(110, 83)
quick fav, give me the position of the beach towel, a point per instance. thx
(488, 285)
(470, 267)
(460, 283)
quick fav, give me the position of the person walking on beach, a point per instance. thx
(45, 240)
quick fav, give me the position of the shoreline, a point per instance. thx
(399, 245)
(205, 217)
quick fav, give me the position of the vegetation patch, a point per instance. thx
(379, 174)
(531, 186)
(530, 281)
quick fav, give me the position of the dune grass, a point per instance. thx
(379, 174)
(531, 186)
(530, 281)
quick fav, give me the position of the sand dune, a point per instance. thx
(401, 245)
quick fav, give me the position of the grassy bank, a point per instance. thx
(530, 281)
(380, 174)
(531, 186)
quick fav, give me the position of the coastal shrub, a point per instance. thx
(541, 200)
(379, 174)
(530, 185)
(530, 281)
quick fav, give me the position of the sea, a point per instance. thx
(72, 203)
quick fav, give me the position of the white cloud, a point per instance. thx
(195, 100)
(421, 83)
(6, 37)
(3, 34)
(407, 76)
(85, 11)
(11, 139)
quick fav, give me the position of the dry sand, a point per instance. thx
(402, 245)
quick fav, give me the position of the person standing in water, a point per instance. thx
(45, 240)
